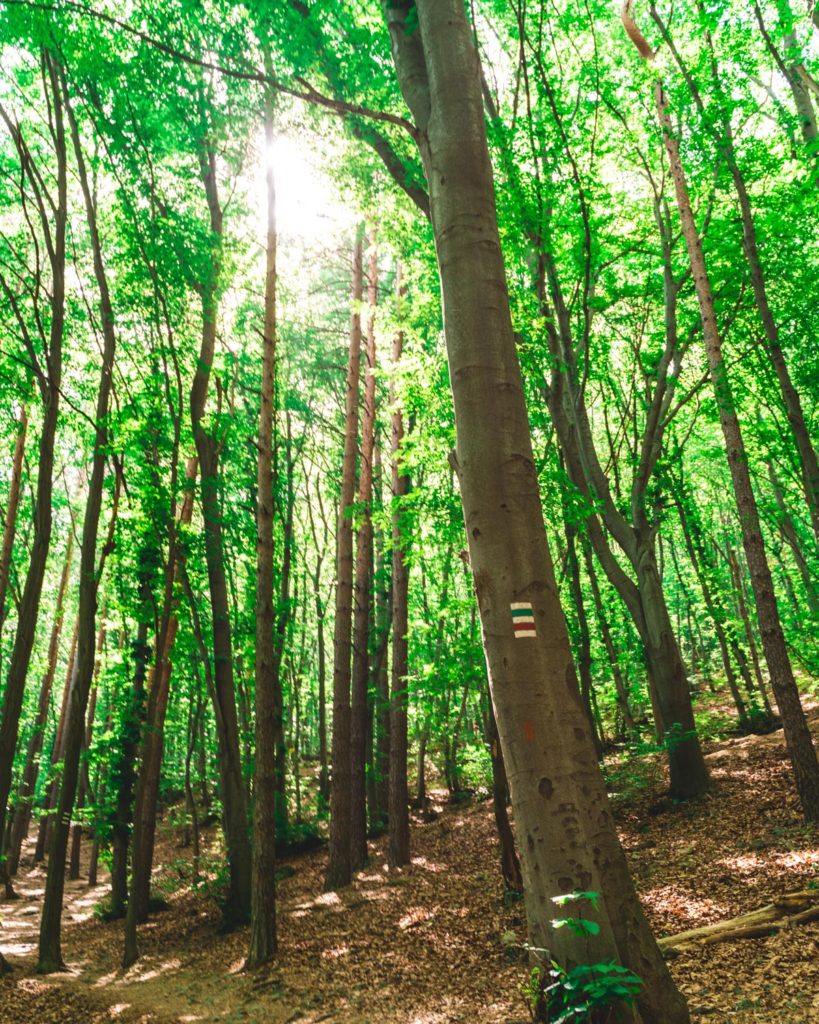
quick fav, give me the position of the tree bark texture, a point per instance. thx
(567, 836)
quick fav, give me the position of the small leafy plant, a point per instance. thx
(586, 993)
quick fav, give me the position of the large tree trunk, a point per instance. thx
(263, 887)
(797, 733)
(363, 594)
(398, 796)
(568, 839)
(339, 867)
(50, 950)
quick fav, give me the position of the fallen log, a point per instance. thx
(787, 911)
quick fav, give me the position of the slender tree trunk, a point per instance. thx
(363, 593)
(789, 533)
(50, 949)
(584, 659)
(398, 796)
(236, 907)
(620, 687)
(57, 751)
(797, 733)
(263, 889)
(147, 788)
(713, 603)
(378, 780)
(53, 217)
(510, 862)
(10, 521)
(123, 770)
(84, 787)
(747, 625)
(561, 810)
(339, 868)
(28, 785)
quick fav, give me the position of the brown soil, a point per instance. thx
(425, 946)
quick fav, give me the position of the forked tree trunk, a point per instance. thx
(797, 733)
(263, 881)
(339, 867)
(398, 796)
(567, 835)
(363, 593)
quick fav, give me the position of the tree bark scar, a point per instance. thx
(545, 788)
(528, 731)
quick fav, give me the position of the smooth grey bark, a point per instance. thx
(567, 837)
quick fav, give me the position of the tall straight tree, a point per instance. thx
(797, 733)
(12, 502)
(398, 807)
(720, 127)
(566, 830)
(50, 949)
(339, 866)
(147, 787)
(236, 908)
(263, 882)
(363, 591)
(51, 220)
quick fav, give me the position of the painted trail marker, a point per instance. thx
(523, 619)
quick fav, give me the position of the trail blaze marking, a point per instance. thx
(528, 731)
(523, 619)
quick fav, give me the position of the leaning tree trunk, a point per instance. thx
(398, 795)
(561, 809)
(50, 950)
(339, 867)
(363, 595)
(263, 881)
(797, 733)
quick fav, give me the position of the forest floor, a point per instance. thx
(425, 946)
